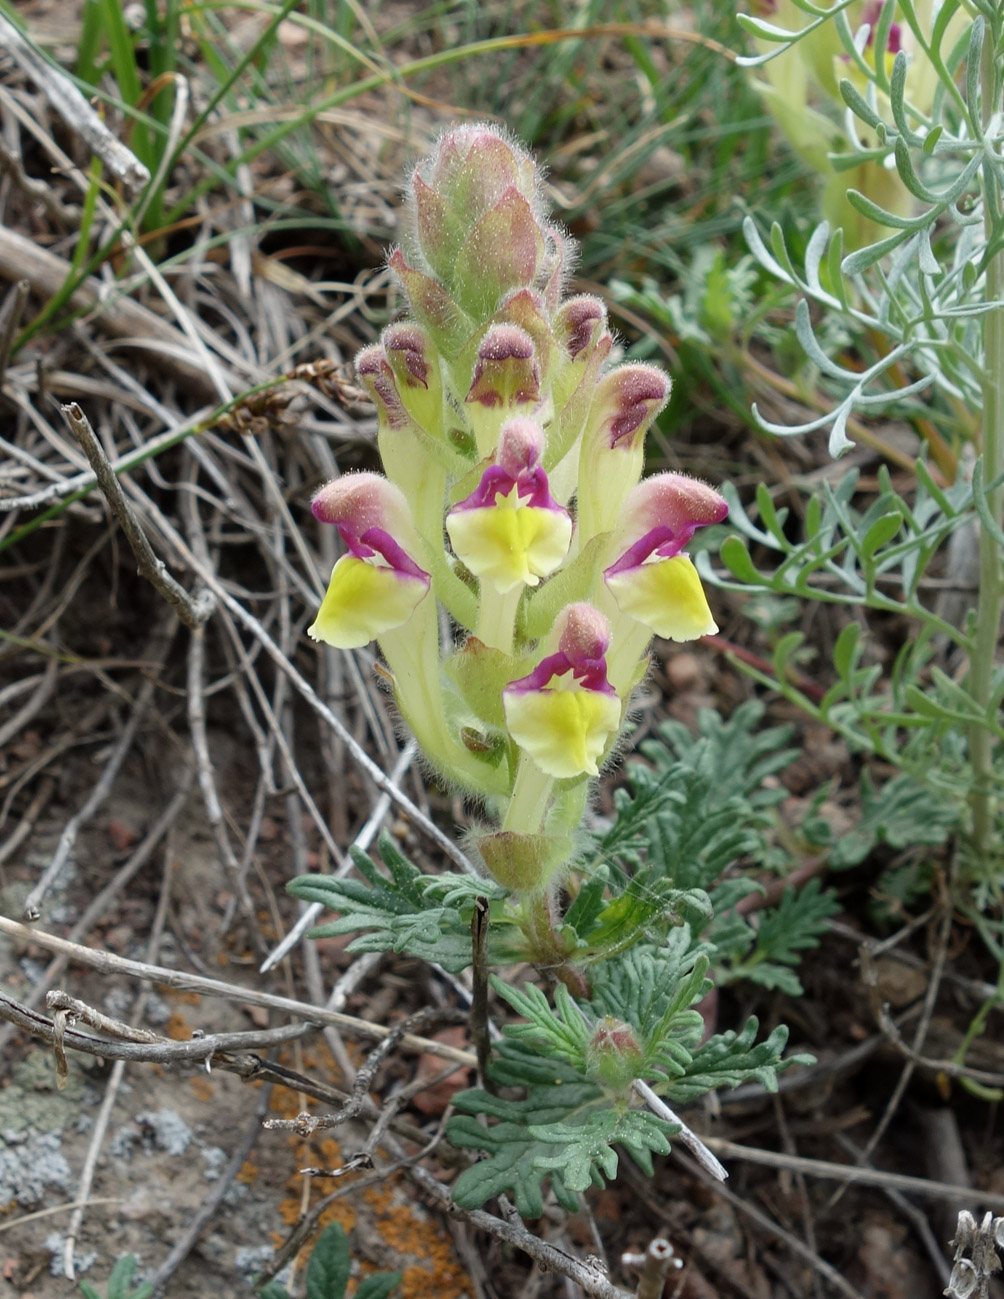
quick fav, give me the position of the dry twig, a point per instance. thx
(193, 611)
(108, 963)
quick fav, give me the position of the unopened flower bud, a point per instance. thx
(579, 324)
(411, 355)
(584, 343)
(506, 381)
(627, 400)
(477, 221)
(614, 1058)
(377, 377)
(431, 305)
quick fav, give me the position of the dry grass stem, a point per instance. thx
(74, 109)
(847, 1173)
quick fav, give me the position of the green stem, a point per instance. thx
(497, 617)
(528, 804)
(991, 593)
(538, 926)
(412, 654)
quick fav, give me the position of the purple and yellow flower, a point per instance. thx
(377, 586)
(565, 712)
(653, 581)
(510, 531)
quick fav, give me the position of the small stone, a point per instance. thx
(169, 1130)
(121, 833)
(683, 671)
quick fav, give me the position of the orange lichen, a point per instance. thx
(177, 1029)
(406, 1228)
(418, 1235)
(202, 1087)
(445, 1279)
(248, 1172)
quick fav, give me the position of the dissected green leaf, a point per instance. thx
(653, 989)
(783, 933)
(378, 1286)
(728, 1059)
(562, 1132)
(399, 910)
(902, 814)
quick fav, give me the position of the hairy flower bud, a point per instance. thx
(627, 400)
(477, 224)
(411, 355)
(614, 1058)
(377, 377)
(506, 381)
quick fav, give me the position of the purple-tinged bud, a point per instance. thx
(413, 358)
(505, 373)
(653, 581)
(506, 380)
(584, 343)
(614, 1058)
(627, 400)
(525, 308)
(579, 323)
(408, 348)
(377, 378)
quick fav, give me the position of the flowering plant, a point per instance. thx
(500, 418)
(512, 498)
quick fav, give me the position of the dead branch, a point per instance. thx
(192, 611)
(108, 963)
